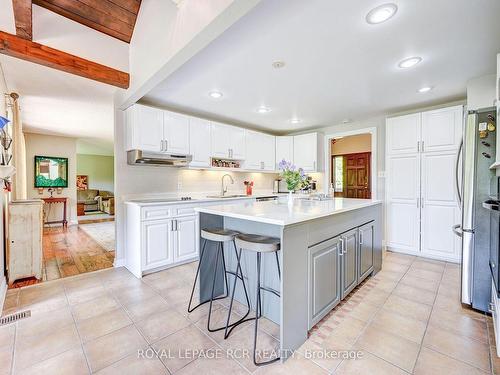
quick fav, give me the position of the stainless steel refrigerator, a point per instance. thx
(478, 154)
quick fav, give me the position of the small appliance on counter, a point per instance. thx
(279, 186)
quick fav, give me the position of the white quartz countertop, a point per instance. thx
(195, 198)
(279, 213)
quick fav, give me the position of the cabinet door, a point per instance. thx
(442, 129)
(176, 133)
(255, 150)
(403, 134)
(186, 238)
(439, 208)
(220, 140)
(269, 152)
(402, 203)
(365, 255)
(157, 243)
(349, 258)
(305, 151)
(199, 142)
(144, 128)
(324, 279)
(237, 145)
(284, 149)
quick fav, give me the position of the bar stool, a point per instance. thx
(220, 236)
(258, 244)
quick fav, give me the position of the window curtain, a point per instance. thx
(19, 190)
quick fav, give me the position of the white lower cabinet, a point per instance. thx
(186, 242)
(160, 236)
(495, 313)
(157, 246)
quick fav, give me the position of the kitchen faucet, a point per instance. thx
(224, 189)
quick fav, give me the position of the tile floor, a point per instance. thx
(406, 319)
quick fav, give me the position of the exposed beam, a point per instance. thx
(23, 18)
(14, 46)
(101, 15)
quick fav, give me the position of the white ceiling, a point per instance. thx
(58, 103)
(337, 66)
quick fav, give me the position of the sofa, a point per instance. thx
(96, 200)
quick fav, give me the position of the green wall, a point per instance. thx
(100, 170)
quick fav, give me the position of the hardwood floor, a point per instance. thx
(69, 252)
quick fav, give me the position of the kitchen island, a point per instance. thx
(327, 248)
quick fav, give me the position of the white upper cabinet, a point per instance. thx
(228, 141)
(144, 128)
(260, 151)
(403, 134)
(175, 133)
(284, 149)
(308, 152)
(199, 142)
(442, 129)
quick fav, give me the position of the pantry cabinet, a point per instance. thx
(260, 151)
(421, 203)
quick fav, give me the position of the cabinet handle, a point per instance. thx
(422, 146)
(176, 225)
(341, 252)
(491, 308)
(166, 145)
(418, 146)
(360, 237)
(161, 145)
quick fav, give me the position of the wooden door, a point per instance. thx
(357, 172)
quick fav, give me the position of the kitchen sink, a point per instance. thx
(227, 196)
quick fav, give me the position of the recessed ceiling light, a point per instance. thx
(295, 120)
(215, 94)
(425, 89)
(381, 13)
(346, 121)
(409, 62)
(263, 109)
(278, 64)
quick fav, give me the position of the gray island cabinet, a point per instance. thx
(327, 249)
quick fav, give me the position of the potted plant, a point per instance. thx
(293, 177)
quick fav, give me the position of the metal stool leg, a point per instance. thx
(213, 288)
(258, 314)
(238, 275)
(196, 278)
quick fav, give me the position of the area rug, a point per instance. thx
(103, 233)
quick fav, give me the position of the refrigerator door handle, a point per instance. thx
(457, 229)
(457, 174)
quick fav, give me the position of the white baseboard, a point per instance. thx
(3, 292)
(119, 263)
(420, 255)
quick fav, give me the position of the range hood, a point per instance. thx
(140, 157)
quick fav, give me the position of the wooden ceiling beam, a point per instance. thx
(14, 46)
(101, 15)
(23, 18)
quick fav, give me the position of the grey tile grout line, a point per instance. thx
(444, 354)
(77, 330)
(373, 317)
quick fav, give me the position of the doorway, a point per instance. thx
(350, 159)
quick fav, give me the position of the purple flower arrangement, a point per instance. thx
(294, 178)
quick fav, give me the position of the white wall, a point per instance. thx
(481, 92)
(48, 145)
(352, 144)
(166, 36)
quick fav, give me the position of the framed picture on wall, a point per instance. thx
(82, 182)
(51, 172)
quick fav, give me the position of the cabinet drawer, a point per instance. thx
(157, 212)
(183, 211)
